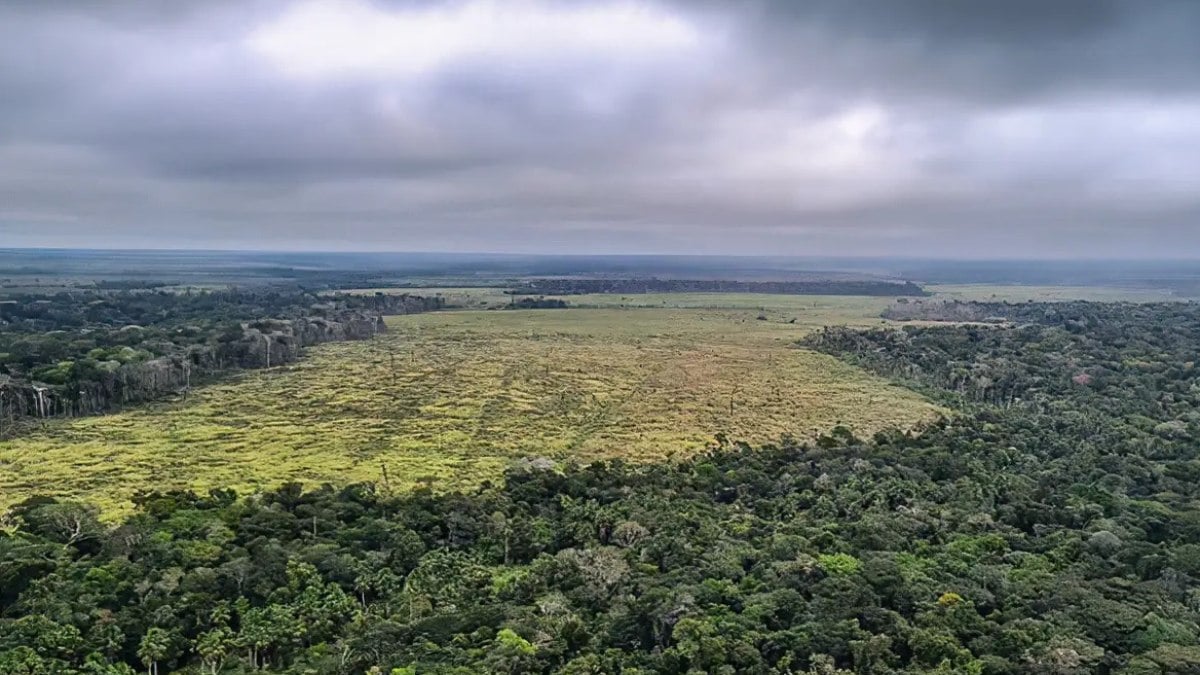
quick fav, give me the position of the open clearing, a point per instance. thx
(451, 398)
(826, 308)
(813, 310)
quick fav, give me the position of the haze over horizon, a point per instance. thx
(922, 128)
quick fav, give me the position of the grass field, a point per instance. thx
(820, 309)
(833, 307)
(451, 398)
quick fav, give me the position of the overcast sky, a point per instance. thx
(910, 127)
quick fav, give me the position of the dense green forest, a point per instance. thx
(1049, 526)
(40, 331)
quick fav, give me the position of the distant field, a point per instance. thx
(451, 398)
(822, 309)
(1017, 293)
(814, 310)
(831, 307)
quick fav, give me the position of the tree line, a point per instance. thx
(88, 351)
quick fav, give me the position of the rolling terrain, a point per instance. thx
(450, 399)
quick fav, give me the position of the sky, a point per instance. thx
(1015, 128)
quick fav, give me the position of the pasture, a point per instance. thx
(820, 308)
(449, 399)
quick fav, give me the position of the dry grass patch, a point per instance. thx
(451, 398)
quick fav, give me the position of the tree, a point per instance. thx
(264, 630)
(67, 523)
(154, 647)
(511, 653)
(214, 646)
(25, 661)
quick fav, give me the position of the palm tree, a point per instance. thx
(154, 647)
(213, 647)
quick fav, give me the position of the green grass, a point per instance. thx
(824, 308)
(451, 398)
(834, 307)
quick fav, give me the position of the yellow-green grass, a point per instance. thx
(451, 398)
(813, 309)
(483, 297)
(826, 308)
(830, 307)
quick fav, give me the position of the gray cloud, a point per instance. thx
(829, 127)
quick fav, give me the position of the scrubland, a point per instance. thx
(448, 399)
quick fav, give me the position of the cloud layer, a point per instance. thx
(925, 127)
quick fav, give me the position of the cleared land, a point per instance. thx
(812, 310)
(834, 308)
(450, 399)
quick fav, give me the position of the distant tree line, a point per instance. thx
(569, 286)
(1041, 353)
(537, 303)
(1049, 526)
(84, 352)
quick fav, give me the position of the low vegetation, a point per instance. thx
(449, 399)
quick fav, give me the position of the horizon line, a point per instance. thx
(511, 254)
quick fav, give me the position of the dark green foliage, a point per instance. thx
(88, 351)
(1051, 527)
(537, 303)
(38, 332)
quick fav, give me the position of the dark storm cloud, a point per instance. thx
(994, 50)
(925, 126)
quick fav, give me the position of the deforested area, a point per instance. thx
(450, 399)
(1013, 536)
(600, 337)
